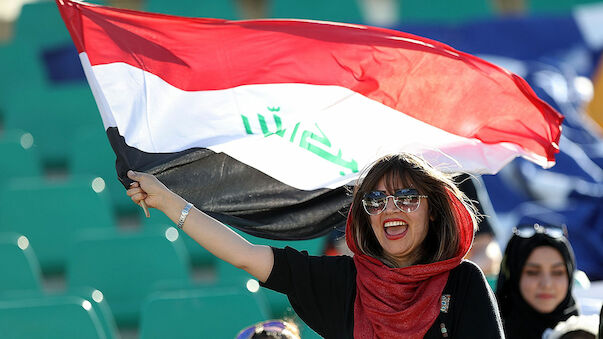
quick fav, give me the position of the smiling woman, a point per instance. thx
(533, 289)
(409, 228)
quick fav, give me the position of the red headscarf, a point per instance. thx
(403, 302)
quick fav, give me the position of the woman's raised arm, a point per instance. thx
(216, 237)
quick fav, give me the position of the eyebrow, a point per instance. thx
(555, 265)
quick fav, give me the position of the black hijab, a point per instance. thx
(520, 320)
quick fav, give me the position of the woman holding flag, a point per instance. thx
(407, 278)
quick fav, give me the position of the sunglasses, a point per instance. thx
(406, 200)
(269, 327)
(528, 230)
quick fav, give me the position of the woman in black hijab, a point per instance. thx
(532, 292)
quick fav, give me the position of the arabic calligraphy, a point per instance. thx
(316, 143)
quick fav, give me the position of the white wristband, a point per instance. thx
(183, 214)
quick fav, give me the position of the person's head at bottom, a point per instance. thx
(534, 284)
(403, 213)
(576, 327)
(271, 329)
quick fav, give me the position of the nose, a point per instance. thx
(390, 207)
(546, 281)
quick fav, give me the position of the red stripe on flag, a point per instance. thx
(422, 78)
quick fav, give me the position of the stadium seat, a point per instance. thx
(101, 307)
(126, 267)
(30, 99)
(51, 213)
(91, 154)
(204, 313)
(62, 317)
(199, 256)
(19, 265)
(38, 27)
(333, 10)
(536, 7)
(40, 24)
(195, 8)
(52, 115)
(19, 156)
(444, 11)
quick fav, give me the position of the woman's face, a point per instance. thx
(400, 234)
(544, 280)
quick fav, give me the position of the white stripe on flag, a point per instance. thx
(306, 136)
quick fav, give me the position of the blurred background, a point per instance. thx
(79, 259)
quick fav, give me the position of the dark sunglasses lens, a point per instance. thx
(407, 200)
(373, 206)
(374, 202)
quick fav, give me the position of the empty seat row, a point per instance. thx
(192, 313)
(126, 267)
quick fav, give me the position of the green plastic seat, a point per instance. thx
(44, 317)
(95, 298)
(199, 256)
(101, 307)
(91, 154)
(19, 156)
(444, 11)
(40, 24)
(536, 7)
(19, 265)
(25, 71)
(126, 267)
(52, 115)
(51, 213)
(204, 313)
(195, 8)
(332, 10)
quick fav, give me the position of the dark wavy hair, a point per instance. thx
(442, 239)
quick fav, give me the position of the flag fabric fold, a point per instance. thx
(261, 123)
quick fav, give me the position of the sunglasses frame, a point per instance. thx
(527, 231)
(394, 197)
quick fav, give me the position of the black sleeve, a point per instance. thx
(320, 289)
(476, 312)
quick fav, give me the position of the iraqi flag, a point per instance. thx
(262, 123)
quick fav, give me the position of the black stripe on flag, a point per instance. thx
(237, 194)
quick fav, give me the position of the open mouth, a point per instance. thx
(395, 228)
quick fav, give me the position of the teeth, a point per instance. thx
(395, 223)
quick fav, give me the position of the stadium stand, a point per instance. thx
(19, 156)
(51, 213)
(100, 306)
(56, 316)
(97, 159)
(48, 120)
(19, 265)
(126, 267)
(199, 256)
(202, 313)
(444, 11)
(195, 8)
(334, 10)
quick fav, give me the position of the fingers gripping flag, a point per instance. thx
(261, 122)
